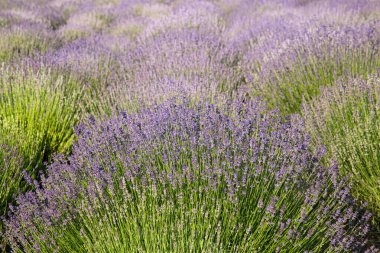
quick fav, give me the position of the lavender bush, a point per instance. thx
(297, 65)
(21, 41)
(292, 49)
(37, 115)
(200, 15)
(188, 63)
(181, 178)
(10, 179)
(346, 119)
(35, 112)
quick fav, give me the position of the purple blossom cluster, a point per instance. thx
(247, 153)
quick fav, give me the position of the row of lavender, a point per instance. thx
(190, 126)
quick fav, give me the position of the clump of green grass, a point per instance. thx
(346, 118)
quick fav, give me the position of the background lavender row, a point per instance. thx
(251, 45)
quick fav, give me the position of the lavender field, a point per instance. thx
(176, 126)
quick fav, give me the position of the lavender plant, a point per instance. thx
(9, 160)
(187, 63)
(37, 116)
(24, 41)
(94, 64)
(181, 178)
(317, 59)
(83, 58)
(200, 15)
(346, 119)
(10, 179)
(38, 112)
(126, 77)
(293, 49)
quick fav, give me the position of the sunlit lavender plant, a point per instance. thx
(130, 27)
(346, 119)
(87, 19)
(303, 56)
(153, 11)
(83, 58)
(33, 12)
(187, 63)
(24, 41)
(89, 64)
(201, 15)
(122, 75)
(38, 111)
(181, 178)
(10, 179)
